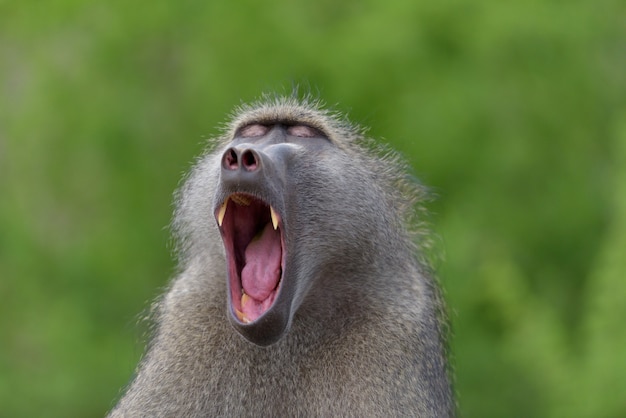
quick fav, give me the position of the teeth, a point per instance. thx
(274, 218)
(222, 212)
(242, 316)
(241, 200)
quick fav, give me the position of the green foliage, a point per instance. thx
(513, 112)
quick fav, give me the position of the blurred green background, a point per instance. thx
(513, 112)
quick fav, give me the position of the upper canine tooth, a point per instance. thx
(274, 218)
(222, 212)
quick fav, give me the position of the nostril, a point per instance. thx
(229, 161)
(249, 160)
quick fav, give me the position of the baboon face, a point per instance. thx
(263, 185)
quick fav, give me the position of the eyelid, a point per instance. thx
(253, 130)
(304, 131)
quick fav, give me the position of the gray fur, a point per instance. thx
(365, 338)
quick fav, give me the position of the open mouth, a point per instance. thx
(253, 239)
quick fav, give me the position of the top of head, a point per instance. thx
(290, 110)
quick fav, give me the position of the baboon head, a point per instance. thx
(260, 192)
(256, 189)
(296, 202)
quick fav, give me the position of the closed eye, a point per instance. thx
(303, 131)
(253, 130)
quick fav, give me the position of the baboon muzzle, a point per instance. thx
(251, 222)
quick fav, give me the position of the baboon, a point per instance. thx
(301, 291)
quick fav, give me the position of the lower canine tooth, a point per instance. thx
(239, 314)
(242, 316)
(244, 300)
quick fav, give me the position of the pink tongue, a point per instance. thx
(261, 273)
